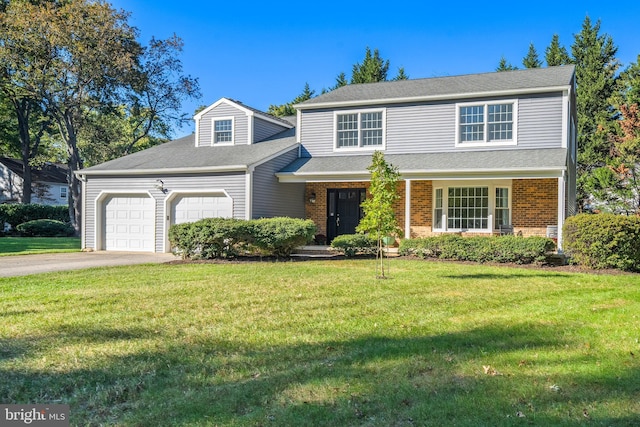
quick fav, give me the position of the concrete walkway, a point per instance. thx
(22, 265)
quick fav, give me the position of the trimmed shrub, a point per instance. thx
(45, 228)
(603, 241)
(16, 214)
(227, 237)
(280, 236)
(209, 238)
(499, 249)
(351, 244)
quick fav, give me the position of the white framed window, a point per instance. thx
(355, 130)
(472, 206)
(485, 123)
(222, 131)
(63, 192)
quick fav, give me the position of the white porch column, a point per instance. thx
(561, 207)
(407, 209)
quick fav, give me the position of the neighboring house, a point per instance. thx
(48, 182)
(478, 154)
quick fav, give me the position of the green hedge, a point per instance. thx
(519, 250)
(45, 228)
(351, 244)
(603, 241)
(227, 238)
(16, 214)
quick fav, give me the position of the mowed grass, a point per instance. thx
(38, 245)
(324, 343)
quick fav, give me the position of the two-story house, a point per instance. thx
(477, 154)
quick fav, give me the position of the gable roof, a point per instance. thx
(182, 156)
(529, 163)
(250, 111)
(471, 85)
(49, 172)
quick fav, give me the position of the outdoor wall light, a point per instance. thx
(160, 185)
(312, 198)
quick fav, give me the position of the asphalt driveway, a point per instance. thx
(22, 265)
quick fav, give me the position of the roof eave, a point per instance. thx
(452, 174)
(166, 171)
(425, 98)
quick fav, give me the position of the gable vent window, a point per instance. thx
(362, 129)
(223, 131)
(480, 124)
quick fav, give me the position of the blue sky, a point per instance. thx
(263, 53)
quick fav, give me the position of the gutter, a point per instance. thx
(442, 97)
(173, 171)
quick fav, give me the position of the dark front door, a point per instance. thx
(343, 210)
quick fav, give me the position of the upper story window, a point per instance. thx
(223, 130)
(486, 123)
(360, 129)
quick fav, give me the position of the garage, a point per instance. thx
(129, 223)
(192, 207)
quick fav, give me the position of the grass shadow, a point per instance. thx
(367, 380)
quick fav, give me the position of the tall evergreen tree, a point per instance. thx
(401, 75)
(503, 65)
(555, 54)
(288, 108)
(372, 69)
(595, 57)
(532, 60)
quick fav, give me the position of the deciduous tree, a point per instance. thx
(379, 219)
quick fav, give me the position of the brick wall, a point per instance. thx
(317, 212)
(534, 205)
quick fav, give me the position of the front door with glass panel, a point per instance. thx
(343, 211)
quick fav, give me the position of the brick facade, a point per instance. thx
(317, 212)
(534, 205)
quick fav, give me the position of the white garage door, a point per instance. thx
(192, 207)
(129, 223)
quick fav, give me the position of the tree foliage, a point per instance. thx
(504, 65)
(79, 65)
(372, 69)
(595, 57)
(379, 219)
(288, 109)
(556, 54)
(531, 60)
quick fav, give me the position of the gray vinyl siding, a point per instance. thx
(272, 198)
(233, 183)
(263, 129)
(430, 127)
(240, 124)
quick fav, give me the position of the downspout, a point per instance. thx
(248, 208)
(407, 209)
(561, 207)
(83, 180)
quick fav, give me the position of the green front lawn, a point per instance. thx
(324, 343)
(38, 245)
